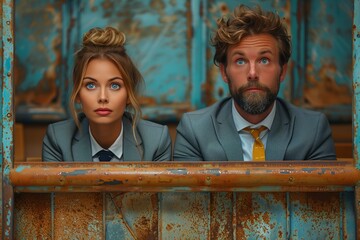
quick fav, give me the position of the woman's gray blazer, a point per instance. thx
(64, 142)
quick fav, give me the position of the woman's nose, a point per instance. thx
(103, 96)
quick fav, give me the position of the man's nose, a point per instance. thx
(252, 74)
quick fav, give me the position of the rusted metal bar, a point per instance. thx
(185, 176)
(356, 82)
(356, 103)
(7, 117)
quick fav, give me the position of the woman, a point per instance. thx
(108, 127)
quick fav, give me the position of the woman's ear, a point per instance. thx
(77, 99)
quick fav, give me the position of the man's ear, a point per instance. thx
(222, 68)
(283, 72)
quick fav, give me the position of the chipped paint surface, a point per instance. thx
(170, 43)
(200, 215)
(356, 83)
(7, 117)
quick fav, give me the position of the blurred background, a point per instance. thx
(169, 42)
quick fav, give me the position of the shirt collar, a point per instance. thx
(116, 147)
(241, 123)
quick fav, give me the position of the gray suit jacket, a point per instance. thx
(296, 134)
(64, 142)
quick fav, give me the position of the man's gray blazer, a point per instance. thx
(210, 134)
(64, 142)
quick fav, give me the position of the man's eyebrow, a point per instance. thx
(265, 51)
(237, 52)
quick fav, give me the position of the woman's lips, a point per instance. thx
(103, 111)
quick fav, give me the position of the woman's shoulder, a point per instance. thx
(67, 125)
(149, 124)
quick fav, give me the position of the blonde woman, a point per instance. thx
(108, 126)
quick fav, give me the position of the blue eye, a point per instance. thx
(90, 86)
(115, 86)
(240, 61)
(264, 61)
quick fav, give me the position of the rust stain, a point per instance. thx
(146, 226)
(319, 208)
(78, 215)
(46, 91)
(157, 5)
(220, 217)
(169, 226)
(32, 216)
(324, 91)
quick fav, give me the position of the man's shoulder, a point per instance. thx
(297, 111)
(212, 110)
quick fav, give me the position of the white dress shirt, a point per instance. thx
(116, 147)
(246, 138)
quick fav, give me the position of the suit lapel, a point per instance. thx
(130, 150)
(280, 134)
(81, 147)
(226, 132)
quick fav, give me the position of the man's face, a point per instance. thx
(253, 74)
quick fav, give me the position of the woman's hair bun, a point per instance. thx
(107, 36)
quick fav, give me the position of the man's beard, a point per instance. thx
(254, 102)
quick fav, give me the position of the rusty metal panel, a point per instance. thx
(187, 215)
(59, 216)
(169, 42)
(261, 215)
(132, 215)
(243, 212)
(32, 216)
(320, 216)
(78, 216)
(39, 70)
(221, 215)
(327, 85)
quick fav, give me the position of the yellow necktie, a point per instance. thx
(258, 149)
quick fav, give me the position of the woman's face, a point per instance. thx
(103, 95)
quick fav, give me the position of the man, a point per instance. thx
(252, 53)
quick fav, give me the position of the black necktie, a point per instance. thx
(105, 155)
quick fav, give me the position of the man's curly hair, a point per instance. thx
(246, 22)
